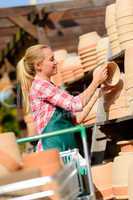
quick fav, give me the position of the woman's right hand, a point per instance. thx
(100, 74)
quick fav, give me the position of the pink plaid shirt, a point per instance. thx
(45, 96)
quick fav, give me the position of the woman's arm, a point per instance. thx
(99, 76)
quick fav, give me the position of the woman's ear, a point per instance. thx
(38, 66)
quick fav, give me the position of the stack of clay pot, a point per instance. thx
(10, 158)
(102, 50)
(128, 65)
(71, 69)
(121, 181)
(102, 179)
(111, 26)
(31, 127)
(124, 20)
(115, 102)
(59, 55)
(87, 50)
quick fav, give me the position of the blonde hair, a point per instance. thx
(26, 71)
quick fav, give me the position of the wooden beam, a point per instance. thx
(63, 6)
(8, 31)
(84, 13)
(2, 46)
(7, 12)
(25, 24)
(5, 39)
(5, 23)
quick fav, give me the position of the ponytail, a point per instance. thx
(25, 80)
(26, 71)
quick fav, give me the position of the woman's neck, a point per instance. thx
(44, 77)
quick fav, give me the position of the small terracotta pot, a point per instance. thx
(113, 74)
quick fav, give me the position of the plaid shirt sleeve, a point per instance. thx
(59, 97)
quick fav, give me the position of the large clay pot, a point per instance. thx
(30, 123)
(102, 179)
(121, 166)
(10, 158)
(113, 74)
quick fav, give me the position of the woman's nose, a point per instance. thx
(55, 62)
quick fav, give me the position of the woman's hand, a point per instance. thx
(100, 74)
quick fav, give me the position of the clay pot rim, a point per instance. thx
(118, 74)
(123, 142)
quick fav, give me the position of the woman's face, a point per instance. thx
(48, 67)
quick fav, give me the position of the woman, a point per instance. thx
(51, 106)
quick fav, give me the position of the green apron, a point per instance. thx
(61, 119)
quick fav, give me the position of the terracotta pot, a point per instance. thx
(71, 63)
(125, 29)
(48, 162)
(126, 44)
(88, 54)
(112, 30)
(126, 146)
(113, 36)
(88, 41)
(129, 76)
(130, 182)
(102, 44)
(88, 59)
(110, 16)
(89, 63)
(31, 127)
(113, 74)
(126, 37)
(121, 166)
(124, 8)
(10, 155)
(115, 50)
(102, 179)
(124, 21)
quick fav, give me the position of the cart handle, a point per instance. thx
(54, 133)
